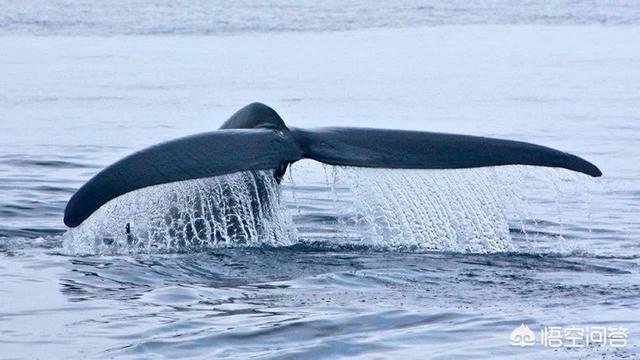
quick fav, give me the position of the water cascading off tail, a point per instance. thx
(241, 209)
(469, 210)
(413, 210)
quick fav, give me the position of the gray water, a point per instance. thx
(351, 262)
(162, 17)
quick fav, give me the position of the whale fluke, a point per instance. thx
(256, 138)
(399, 149)
(192, 157)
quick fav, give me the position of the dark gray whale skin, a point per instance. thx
(256, 138)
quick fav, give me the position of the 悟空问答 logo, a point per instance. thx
(522, 336)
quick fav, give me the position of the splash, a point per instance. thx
(418, 210)
(472, 210)
(241, 209)
(432, 210)
(484, 210)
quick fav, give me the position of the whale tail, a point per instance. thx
(255, 138)
(399, 149)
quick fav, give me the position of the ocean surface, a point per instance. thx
(351, 263)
